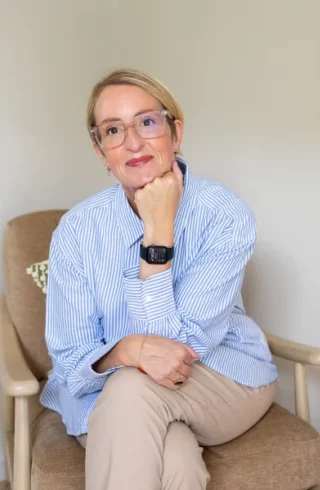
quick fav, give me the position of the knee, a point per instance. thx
(125, 388)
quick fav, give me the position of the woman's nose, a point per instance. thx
(132, 140)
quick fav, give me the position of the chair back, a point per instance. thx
(26, 241)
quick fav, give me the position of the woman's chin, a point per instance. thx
(143, 179)
(147, 180)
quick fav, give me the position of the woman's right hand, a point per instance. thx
(166, 360)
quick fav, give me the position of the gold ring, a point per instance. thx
(178, 382)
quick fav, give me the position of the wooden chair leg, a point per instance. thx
(21, 465)
(301, 392)
(7, 434)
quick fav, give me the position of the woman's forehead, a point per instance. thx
(123, 102)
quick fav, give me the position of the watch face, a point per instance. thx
(157, 255)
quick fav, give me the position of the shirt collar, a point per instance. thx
(131, 226)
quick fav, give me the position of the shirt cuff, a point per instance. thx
(150, 299)
(87, 372)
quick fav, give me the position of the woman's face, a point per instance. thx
(122, 103)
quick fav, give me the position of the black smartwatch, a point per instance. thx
(155, 254)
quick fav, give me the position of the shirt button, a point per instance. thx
(148, 299)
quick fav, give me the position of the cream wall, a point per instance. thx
(247, 73)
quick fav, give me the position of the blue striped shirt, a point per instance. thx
(95, 296)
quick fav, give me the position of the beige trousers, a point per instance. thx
(143, 436)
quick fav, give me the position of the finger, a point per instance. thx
(138, 195)
(183, 369)
(179, 380)
(168, 383)
(192, 352)
(187, 357)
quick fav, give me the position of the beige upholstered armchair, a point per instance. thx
(282, 452)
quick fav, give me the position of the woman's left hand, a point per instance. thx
(158, 202)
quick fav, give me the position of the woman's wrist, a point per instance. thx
(159, 234)
(124, 353)
(140, 354)
(130, 350)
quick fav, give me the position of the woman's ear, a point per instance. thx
(178, 136)
(101, 156)
(99, 152)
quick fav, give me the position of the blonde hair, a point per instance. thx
(137, 78)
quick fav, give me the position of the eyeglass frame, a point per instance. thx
(164, 112)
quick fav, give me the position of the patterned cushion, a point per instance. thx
(39, 273)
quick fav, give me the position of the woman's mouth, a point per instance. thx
(139, 162)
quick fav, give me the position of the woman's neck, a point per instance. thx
(130, 193)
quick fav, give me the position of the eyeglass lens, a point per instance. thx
(147, 125)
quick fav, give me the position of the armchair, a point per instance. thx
(282, 451)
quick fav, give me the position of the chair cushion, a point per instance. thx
(281, 451)
(4, 485)
(26, 241)
(58, 460)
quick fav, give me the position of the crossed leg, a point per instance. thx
(143, 436)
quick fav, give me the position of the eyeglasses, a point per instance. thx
(148, 125)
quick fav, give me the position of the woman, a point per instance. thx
(153, 355)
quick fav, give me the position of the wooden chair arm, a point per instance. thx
(15, 376)
(293, 351)
(301, 355)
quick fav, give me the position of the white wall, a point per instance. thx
(247, 73)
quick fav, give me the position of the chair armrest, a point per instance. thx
(293, 351)
(15, 376)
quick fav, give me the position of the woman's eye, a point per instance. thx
(148, 121)
(112, 131)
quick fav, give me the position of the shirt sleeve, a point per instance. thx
(196, 309)
(74, 328)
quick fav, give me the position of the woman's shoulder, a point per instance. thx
(217, 197)
(102, 199)
(81, 218)
(224, 208)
